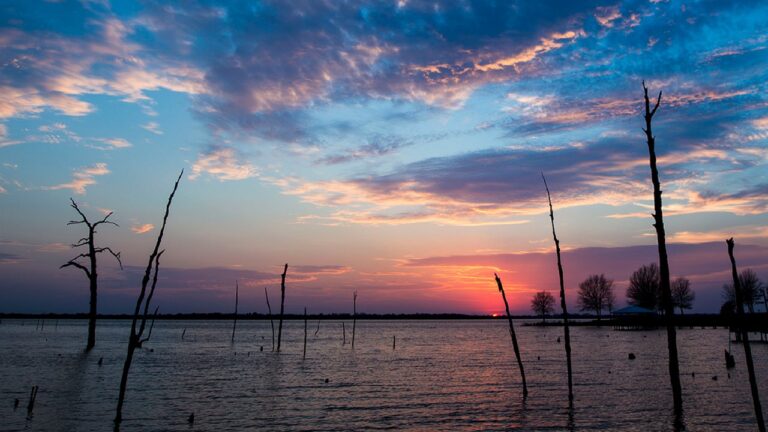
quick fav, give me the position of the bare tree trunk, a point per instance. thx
(282, 307)
(742, 328)
(566, 329)
(354, 317)
(145, 299)
(666, 292)
(90, 271)
(343, 335)
(271, 321)
(237, 297)
(512, 334)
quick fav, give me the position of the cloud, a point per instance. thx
(113, 143)
(143, 228)
(9, 258)
(153, 127)
(82, 178)
(376, 146)
(223, 164)
(4, 141)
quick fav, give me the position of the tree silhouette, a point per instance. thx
(643, 289)
(742, 328)
(661, 240)
(512, 334)
(91, 269)
(543, 304)
(596, 294)
(143, 302)
(751, 290)
(682, 295)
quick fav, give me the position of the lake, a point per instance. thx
(443, 375)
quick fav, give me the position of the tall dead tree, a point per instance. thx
(566, 329)
(742, 328)
(664, 285)
(354, 317)
(90, 269)
(282, 307)
(271, 321)
(513, 335)
(139, 321)
(234, 323)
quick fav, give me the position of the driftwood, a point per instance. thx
(32, 398)
(282, 307)
(139, 321)
(513, 335)
(666, 291)
(91, 269)
(566, 329)
(742, 328)
(271, 321)
(234, 323)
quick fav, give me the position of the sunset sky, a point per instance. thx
(393, 148)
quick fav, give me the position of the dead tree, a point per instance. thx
(354, 317)
(271, 321)
(90, 269)
(151, 326)
(513, 335)
(144, 299)
(566, 329)
(234, 323)
(742, 328)
(664, 285)
(282, 307)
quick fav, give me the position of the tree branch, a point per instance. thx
(77, 209)
(73, 263)
(105, 221)
(116, 255)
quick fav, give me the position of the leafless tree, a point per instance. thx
(90, 268)
(596, 294)
(682, 294)
(543, 304)
(745, 338)
(513, 335)
(643, 289)
(143, 301)
(751, 290)
(566, 328)
(282, 307)
(666, 292)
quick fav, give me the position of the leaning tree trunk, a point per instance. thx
(271, 321)
(282, 307)
(666, 292)
(513, 335)
(144, 300)
(234, 323)
(566, 329)
(742, 328)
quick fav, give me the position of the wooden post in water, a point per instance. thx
(305, 334)
(343, 334)
(234, 323)
(742, 328)
(394, 341)
(664, 285)
(354, 317)
(566, 329)
(271, 321)
(512, 334)
(282, 307)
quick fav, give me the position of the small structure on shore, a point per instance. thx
(634, 318)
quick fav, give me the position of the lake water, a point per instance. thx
(443, 375)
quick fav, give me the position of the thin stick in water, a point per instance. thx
(271, 321)
(305, 334)
(566, 328)
(354, 317)
(742, 327)
(234, 323)
(512, 334)
(282, 307)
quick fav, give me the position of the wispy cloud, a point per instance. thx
(143, 228)
(82, 178)
(222, 164)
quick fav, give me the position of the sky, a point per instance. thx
(394, 148)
